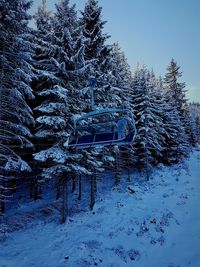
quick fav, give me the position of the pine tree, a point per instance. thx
(43, 18)
(96, 50)
(120, 74)
(194, 115)
(68, 36)
(175, 91)
(175, 97)
(121, 79)
(148, 109)
(175, 145)
(197, 128)
(58, 82)
(109, 62)
(16, 74)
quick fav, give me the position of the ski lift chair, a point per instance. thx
(102, 127)
(114, 131)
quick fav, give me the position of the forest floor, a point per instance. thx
(142, 224)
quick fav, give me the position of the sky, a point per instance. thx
(151, 32)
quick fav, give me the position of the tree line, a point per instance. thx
(43, 72)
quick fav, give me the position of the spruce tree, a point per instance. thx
(58, 82)
(175, 97)
(94, 39)
(15, 77)
(197, 128)
(149, 139)
(175, 89)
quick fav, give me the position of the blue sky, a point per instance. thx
(151, 32)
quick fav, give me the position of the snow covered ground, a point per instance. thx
(141, 224)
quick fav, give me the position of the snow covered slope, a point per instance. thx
(144, 224)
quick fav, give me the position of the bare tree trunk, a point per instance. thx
(147, 173)
(64, 200)
(95, 182)
(73, 183)
(40, 191)
(2, 206)
(35, 190)
(58, 193)
(31, 192)
(92, 197)
(14, 186)
(79, 187)
(147, 169)
(117, 176)
(2, 193)
(129, 176)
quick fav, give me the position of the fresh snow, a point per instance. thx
(143, 224)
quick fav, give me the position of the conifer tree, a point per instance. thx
(120, 74)
(175, 89)
(197, 128)
(15, 77)
(58, 85)
(94, 39)
(147, 145)
(175, 96)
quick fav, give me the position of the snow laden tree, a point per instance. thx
(58, 82)
(69, 37)
(15, 77)
(120, 74)
(45, 80)
(197, 128)
(194, 112)
(94, 39)
(148, 110)
(97, 54)
(175, 89)
(42, 19)
(173, 134)
(158, 102)
(103, 57)
(176, 140)
(96, 51)
(120, 77)
(175, 92)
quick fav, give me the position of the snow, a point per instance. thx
(57, 154)
(16, 163)
(145, 224)
(55, 121)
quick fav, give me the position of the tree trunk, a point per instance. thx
(79, 187)
(95, 182)
(64, 200)
(2, 193)
(117, 176)
(36, 190)
(92, 198)
(40, 191)
(2, 207)
(31, 192)
(147, 173)
(58, 193)
(73, 183)
(129, 176)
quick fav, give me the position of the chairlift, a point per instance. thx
(102, 127)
